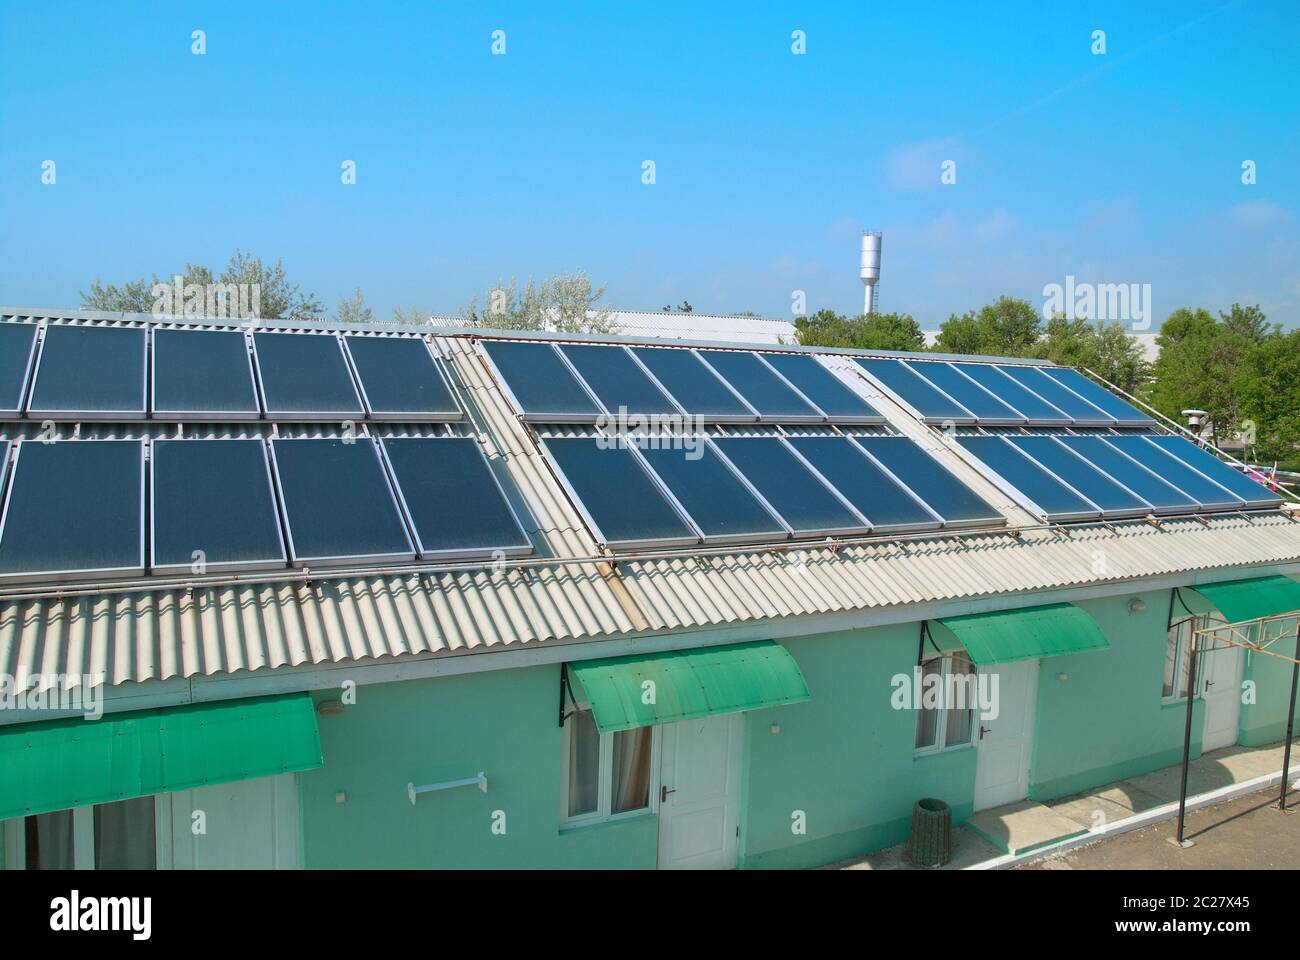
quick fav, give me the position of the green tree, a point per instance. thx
(1268, 388)
(1250, 323)
(875, 331)
(565, 303)
(415, 317)
(1198, 368)
(1005, 328)
(278, 298)
(353, 309)
(1105, 348)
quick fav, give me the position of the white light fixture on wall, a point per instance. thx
(1137, 605)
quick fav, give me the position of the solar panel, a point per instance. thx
(1035, 489)
(338, 505)
(617, 380)
(774, 399)
(919, 394)
(539, 383)
(1125, 414)
(987, 408)
(401, 380)
(203, 375)
(89, 373)
(1054, 392)
(823, 388)
(212, 507)
(720, 504)
(877, 496)
(694, 386)
(457, 507)
(75, 508)
(1035, 408)
(804, 502)
(619, 500)
(17, 348)
(1237, 483)
(947, 496)
(1163, 496)
(304, 376)
(1196, 485)
(1114, 499)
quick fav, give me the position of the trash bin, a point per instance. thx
(931, 833)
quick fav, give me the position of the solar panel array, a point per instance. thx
(1113, 476)
(112, 508)
(73, 372)
(581, 383)
(739, 489)
(78, 509)
(1000, 394)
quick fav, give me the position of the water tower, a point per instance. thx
(870, 272)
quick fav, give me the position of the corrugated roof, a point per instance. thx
(225, 629)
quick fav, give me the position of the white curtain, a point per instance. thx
(631, 770)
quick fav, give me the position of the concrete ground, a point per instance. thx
(1248, 833)
(1108, 806)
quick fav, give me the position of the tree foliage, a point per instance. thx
(1005, 328)
(1107, 349)
(353, 309)
(875, 331)
(565, 303)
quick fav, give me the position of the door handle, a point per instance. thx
(663, 794)
(984, 730)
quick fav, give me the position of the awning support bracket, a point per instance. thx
(566, 693)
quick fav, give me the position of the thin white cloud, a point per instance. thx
(918, 165)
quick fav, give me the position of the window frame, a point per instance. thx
(1197, 622)
(605, 776)
(940, 744)
(83, 836)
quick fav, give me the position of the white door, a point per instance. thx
(699, 806)
(1005, 742)
(245, 825)
(1223, 671)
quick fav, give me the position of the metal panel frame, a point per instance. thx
(229, 565)
(27, 374)
(1238, 502)
(13, 456)
(868, 420)
(1105, 419)
(1064, 423)
(1019, 496)
(970, 420)
(91, 416)
(818, 418)
(594, 527)
(552, 418)
(467, 553)
(992, 523)
(351, 559)
(704, 418)
(206, 416)
(936, 524)
(393, 416)
(306, 416)
(1145, 421)
(591, 391)
(1105, 514)
(1024, 420)
(1171, 510)
(724, 538)
(798, 534)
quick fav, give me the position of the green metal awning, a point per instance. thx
(55, 764)
(1240, 600)
(639, 691)
(1004, 636)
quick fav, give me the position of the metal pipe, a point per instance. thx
(1187, 735)
(1290, 724)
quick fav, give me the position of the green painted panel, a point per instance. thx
(72, 762)
(1240, 600)
(1004, 636)
(703, 682)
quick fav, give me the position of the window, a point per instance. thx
(111, 836)
(606, 774)
(1178, 658)
(945, 715)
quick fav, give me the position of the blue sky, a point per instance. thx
(1122, 168)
